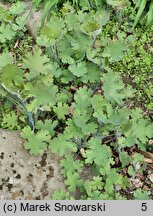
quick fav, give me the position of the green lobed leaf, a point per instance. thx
(114, 51)
(61, 110)
(79, 69)
(82, 98)
(37, 63)
(140, 194)
(10, 120)
(73, 181)
(97, 153)
(37, 93)
(36, 143)
(62, 146)
(81, 120)
(113, 179)
(113, 87)
(47, 125)
(61, 195)
(5, 59)
(69, 164)
(11, 76)
(6, 33)
(17, 8)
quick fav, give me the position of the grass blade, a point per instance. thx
(47, 8)
(150, 14)
(140, 11)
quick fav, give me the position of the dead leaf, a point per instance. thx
(148, 160)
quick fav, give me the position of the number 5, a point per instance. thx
(144, 207)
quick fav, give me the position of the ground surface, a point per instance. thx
(24, 176)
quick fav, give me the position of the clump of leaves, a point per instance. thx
(92, 124)
(12, 23)
(77, 4)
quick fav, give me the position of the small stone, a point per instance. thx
(150, 142)
(117, 187)
(11, 180)
(137, 166)
(151, 177)
(137, 183)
